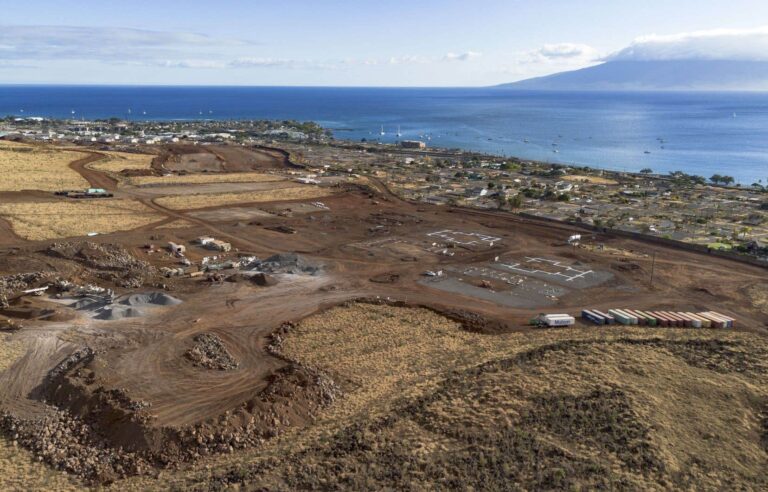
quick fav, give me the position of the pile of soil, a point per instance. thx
(150, 298)
(260, 279)
(282, 228)
(102, 434)
(111, 262)
(385, 278)
(210, 352)
(287, 263)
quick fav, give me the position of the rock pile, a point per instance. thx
(287, 263)
(112, 262)
(209, 352)
(70, 445)
(11, 285)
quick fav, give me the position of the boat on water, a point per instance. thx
(382, 131)
(399, 133)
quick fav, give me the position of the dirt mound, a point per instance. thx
(385, 278)
(287, 263)
(11, 285)
(209, 352)
(151, 298)
(109, 262)
(102, 434)
(260, 279)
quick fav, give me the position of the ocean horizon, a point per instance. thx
(701, 133)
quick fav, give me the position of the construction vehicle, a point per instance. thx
(88, 193)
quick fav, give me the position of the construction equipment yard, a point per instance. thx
(339, 317)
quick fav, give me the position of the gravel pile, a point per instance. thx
(150, 298)
(209, 352)
(287, 263)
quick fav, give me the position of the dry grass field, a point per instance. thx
(204, 179)
(590, 179)
(51, 220)
(188, 202)
(430, 405)
(28, 167)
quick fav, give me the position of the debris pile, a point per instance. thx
(11, 285)
(106, 307)
(112, 262)
(209, 352)
(287, 263)
(70, 445)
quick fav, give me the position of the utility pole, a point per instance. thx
(653, 267)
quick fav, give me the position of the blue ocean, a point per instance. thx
(698, 133)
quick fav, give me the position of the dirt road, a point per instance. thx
(96, 179)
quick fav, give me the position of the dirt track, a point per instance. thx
(95, 178)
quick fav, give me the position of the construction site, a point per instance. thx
(224, 317)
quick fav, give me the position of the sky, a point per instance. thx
(359, 43)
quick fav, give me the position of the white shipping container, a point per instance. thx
(559, 320)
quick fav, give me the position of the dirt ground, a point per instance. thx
(147, 408)
(218, 158)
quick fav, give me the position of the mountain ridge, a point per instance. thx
(662, 75)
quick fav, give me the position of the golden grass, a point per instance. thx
(204, 179)
(590, 179)
(187, 202)
(19, 471)
(50, 220)
(10, 351)
(28, 167)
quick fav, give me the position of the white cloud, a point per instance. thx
(560, 53)
(466, 56)
(717, 44)
(105, 44)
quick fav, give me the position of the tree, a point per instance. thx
(516, 201)
(646, 170)
(727, 180)
(716, 178)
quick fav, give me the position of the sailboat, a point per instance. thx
(399, 133)
(382, 131)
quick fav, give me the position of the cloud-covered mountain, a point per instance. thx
(722, 59)
(714, 75)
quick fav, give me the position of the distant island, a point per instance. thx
(657, 75)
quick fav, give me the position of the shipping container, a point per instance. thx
(660, 320)
(609, 320)
(620, 316)
(649, 320)
(730, 321)
(715, 321)
(705, 323)
(558, 320)
(695, 320)
(593, 317)
(687, 322)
